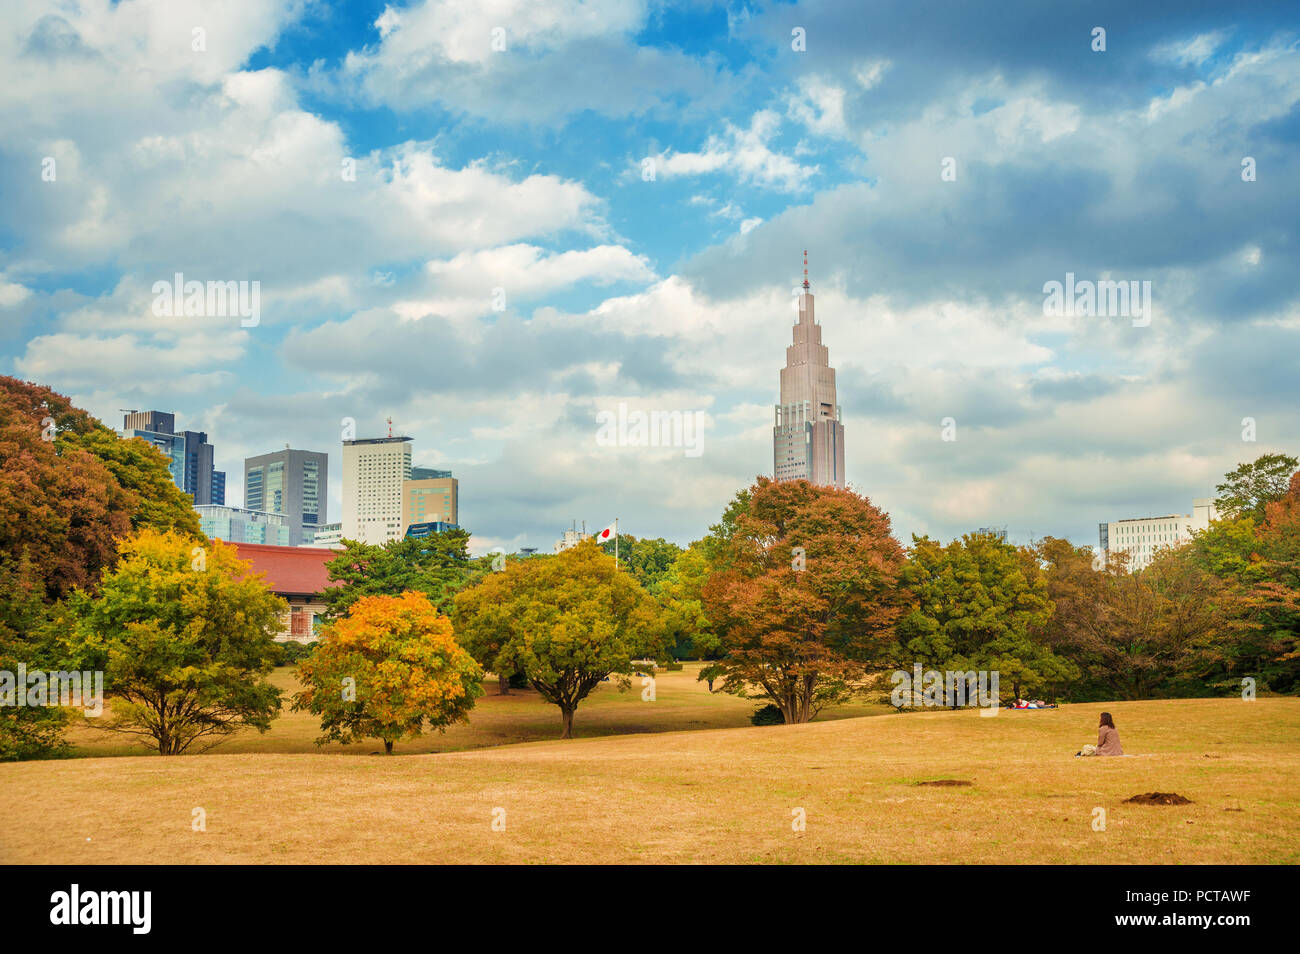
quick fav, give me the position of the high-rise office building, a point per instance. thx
(159, 429)
(326, 535)
(291, 482)
(430, 499)
(189, 455)
(808, 433)
(374, 470)
(202, 482)
(241, 525)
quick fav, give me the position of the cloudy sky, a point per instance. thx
(635, 183)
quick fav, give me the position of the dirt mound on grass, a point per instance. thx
(1158, 798)
(947, 781)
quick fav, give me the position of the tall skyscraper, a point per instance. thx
(808, 436)
(202, 482)
(374, 470)
(291, 482)
(189, 454)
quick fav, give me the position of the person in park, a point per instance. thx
(1107, 739)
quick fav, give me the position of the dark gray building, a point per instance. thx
(189, 455)
(292, 482)
(202, 482)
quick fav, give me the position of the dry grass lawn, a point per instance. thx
(725, 795)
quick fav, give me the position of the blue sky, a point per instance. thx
(218, 153)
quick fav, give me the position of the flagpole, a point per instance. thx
(616, 543)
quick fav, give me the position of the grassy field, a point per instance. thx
(727, 795)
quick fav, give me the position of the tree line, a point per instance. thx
(800, 597)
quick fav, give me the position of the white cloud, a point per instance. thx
(1190, 52)
(477, 56)
(12, 293)
(745, 154)
(868, 73)
(819, 105)
(465, 286)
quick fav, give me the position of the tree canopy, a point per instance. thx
(977, 602)
(1248, 490)
(647, 560)
(804, 594)
(437, 565)
(567, 622)
(386, 670)
(184, 636)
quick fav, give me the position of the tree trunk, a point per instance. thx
(568, 723)
(388, 747)
(710, 685)
(503, 684)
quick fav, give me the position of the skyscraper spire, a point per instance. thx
(808, 432)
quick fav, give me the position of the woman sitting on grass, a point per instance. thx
(1107, 739)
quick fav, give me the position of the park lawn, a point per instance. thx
(725, 795)
(681, 703)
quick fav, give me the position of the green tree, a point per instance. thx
(184, 636)
(804, 593)
(437, 565)
(483, 624)
(568, 622)
(680, 593)
(386, 670)
(647, 560)
(977, 602)
(1247, 491)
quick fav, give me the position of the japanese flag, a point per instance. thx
(606, 535)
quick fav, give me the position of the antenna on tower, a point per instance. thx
(390, 426)
(805, 269)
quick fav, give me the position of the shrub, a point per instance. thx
(293, 651)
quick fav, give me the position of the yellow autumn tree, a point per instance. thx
(387, 670)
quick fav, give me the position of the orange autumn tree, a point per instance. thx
(804, 593)
(1269, 648)
(386, 670)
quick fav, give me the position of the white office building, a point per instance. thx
(374, 470)
(1141, 537)
(571, 539)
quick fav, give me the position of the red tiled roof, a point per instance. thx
(290, 571)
